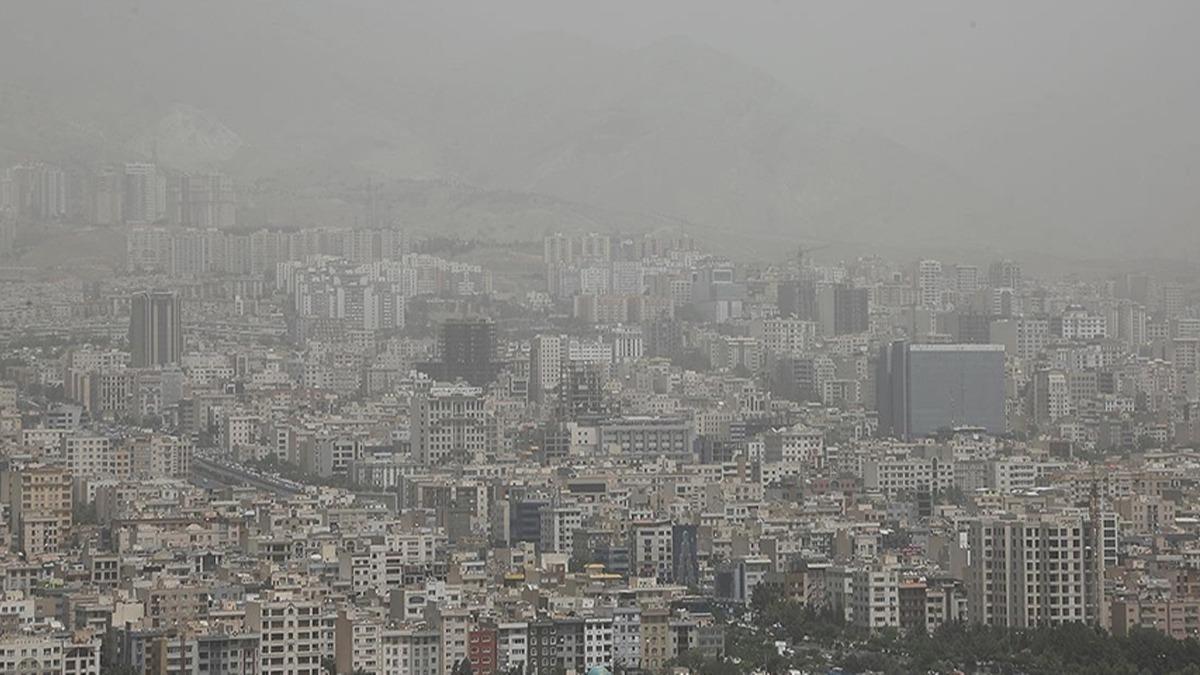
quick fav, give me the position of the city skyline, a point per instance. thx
(545, 338)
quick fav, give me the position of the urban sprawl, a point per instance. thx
(359, 450)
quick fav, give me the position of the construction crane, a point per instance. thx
(802, 251)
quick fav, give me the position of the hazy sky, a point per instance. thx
(1079, 112)
(1084, 108)
(937, 74)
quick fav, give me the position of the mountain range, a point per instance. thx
(305, 103)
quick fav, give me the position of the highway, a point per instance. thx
(208, 470)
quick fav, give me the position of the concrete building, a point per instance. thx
(924, 388)
(297, 634)
(448, 421)
(1037, 570)
(155, 329)
(40, 508)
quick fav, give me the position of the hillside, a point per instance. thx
(305, 104)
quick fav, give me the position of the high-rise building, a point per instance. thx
(34, 192)
(558, 528)
(1039, 570)
(1049, 396)
(545, 365)
(155, 329)
(296, 633)
(467, 351)
(652, 549)
(581, 390)
(921, 389)
(929, 284)
(843, 309)
(8, 233)
(557, 248)
(145, 194)
(627, 344)
(966, 279)
(107, 196)
(797, 299)
(875, 596)
(448, 422)
(40, 508)
(966, 326)
(1005, 274)
(204, 201)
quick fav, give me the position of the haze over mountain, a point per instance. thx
(297, 95)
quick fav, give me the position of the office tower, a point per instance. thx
(145, 194)
(107, 196)
(851, 308)
(545, 365)
(663, 338)
(40, 508)
(468, 351)
(155, 329)
(1005, 274)
(1131, 322)
(921, 389)
(843, 309)
(929, 284)
(792, 376)
(581, 390)
(448, 423)
(966, 279)
(1039, 570)
(966, 327)
(797, 299)
(203, 201)
(627, 344)
(525, 519)
(1172, 300)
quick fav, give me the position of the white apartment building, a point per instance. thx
(895, 475)
(788, 336)
(56, 654)
(512, 645)
(929, 283)
(411, 650)
(653, 549)
(875, 597)
(1079, 324)
(558, 528)
(627, 637)
(295, 634)
(449, 420)
(598, 642)
(1037, 570)
(92, 456)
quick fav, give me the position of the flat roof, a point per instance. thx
(955, 348)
